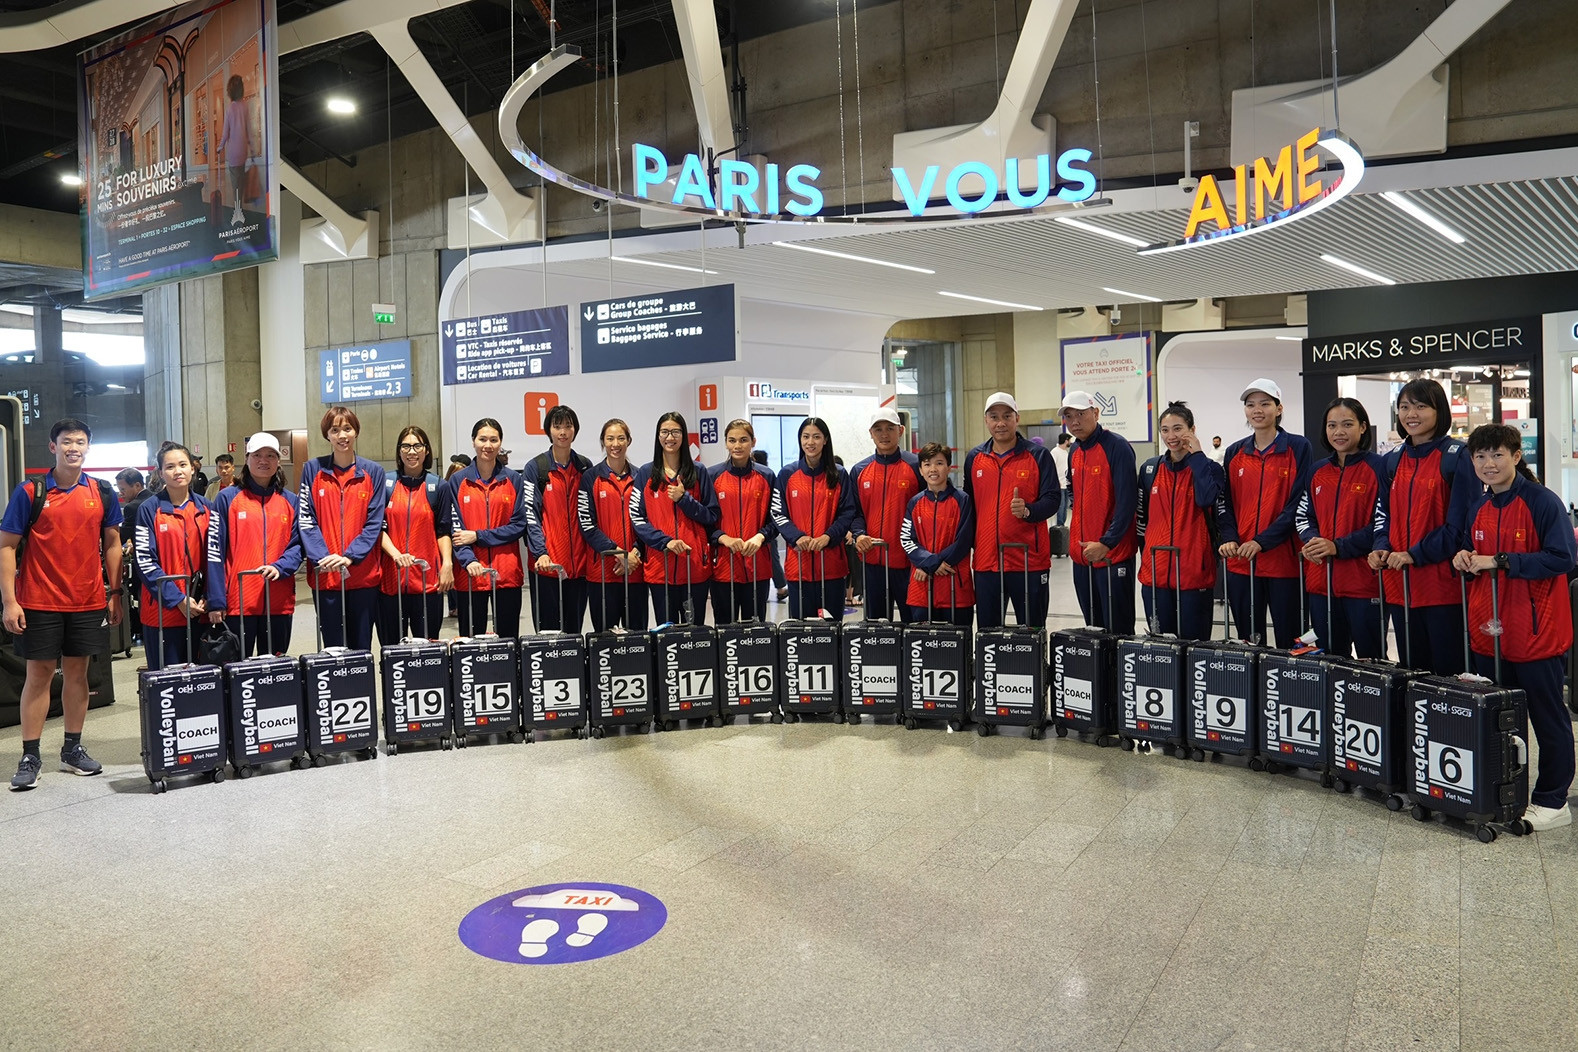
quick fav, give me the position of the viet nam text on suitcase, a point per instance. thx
(341, 687)
(416, 686)
(1010, 663)
(267, 723)
(182, 710)
(873, 655)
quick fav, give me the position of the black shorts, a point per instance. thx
(53, 633)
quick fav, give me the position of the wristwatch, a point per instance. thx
(1502, 560)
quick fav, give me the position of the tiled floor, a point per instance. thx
(827, 886)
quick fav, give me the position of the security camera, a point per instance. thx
(1188, 184)
(598, 204)
(257, 405)
(1117, 316)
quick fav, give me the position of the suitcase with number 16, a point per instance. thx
(342, 692)
(183, 711)
(748, 661)
(416, 685)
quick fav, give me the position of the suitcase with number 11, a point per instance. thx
(808, 659)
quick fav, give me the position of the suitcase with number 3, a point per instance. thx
(553, 677)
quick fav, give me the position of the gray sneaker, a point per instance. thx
(26, 773)
(76, 760)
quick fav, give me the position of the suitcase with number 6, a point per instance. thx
(416, 688)
(341, 687)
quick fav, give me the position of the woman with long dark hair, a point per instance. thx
(1336, 520)
(418, 555)
(744, 534)
(673, 510)
(487, 514)
(171, 536)
(813, 509)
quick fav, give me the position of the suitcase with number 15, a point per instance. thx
(936, 667)
(1010, 662)
(485, 672)
(183, 711)
(342, 692)
(267, 723)
(873, 655)
(416, 684)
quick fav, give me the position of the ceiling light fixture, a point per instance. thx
(1094, 229)
(339, 104)
(858, 259)
(1356, 269)
(666, 266)
(995, 303)
(1132, 295)
(1424, 217)
(71, 179)
(1291, 339)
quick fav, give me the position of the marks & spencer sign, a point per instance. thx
(1514, 340)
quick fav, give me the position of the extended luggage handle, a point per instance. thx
(1227, 607)
(156, 582)
(1493, 629)
(687, 606)
(268, 620)
(757, 613)
(1254, 637)
(317, 619)
(1153, 623)
(1002, 592)
(558, 573)
(492, 574)
(422, 568)
(931, 595)
(1090, 583)
(616, 553)
(887, 579)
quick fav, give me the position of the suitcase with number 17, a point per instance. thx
(687, 667)
(342, 696)
(416, 686)
(183, 711)
(1010, 663)
(873, 654)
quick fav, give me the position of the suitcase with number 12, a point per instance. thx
(936, 669)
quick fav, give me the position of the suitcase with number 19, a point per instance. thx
(416, 687)
(342, 692)
(183, 711)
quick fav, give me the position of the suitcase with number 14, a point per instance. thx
(183, 711)
(1293, 703)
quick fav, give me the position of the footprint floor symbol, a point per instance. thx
(535, 936)
(589, 927)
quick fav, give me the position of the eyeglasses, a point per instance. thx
(411, 447)
(670, 433)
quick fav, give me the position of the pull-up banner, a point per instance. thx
(179, 127)
(1511, 340)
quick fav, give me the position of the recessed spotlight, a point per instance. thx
(341, 105)
(71, 179)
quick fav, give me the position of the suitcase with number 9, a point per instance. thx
(1223, 678)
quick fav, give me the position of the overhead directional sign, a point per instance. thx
(357, 374)
(682, 327)
(512, 345)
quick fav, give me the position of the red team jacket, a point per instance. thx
(745, 504)
(553, 512)
(1105, 490)
(341, 512)
(1345, 503)
(1432, 487)
(169, 540)
(62, 567)
(884, 487)
(1262, 494)
(658, 520)
(1176, 498)
(989, 481)
(496, 509)
(603, 511)
(939, 528)
(804, 506)
(416, 515)
(1529, 523)
(249, 528)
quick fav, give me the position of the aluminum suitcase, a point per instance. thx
(182, 714)
(873, 655)
(267, 722)
(1152, 704)
(1368, 720)
(486, 688)
(341, 686)
(416, 688)
(619, 678)
(936, 672)
(553, 677)
(1010, 664)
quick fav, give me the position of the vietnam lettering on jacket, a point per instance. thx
(248, 528)
(883, 487)
(341, 512)
(169, 540)
(553, 525)
(1260, 499)
(1432, 486)
(1176, 498)
(1346, 503)
(745, 505)
(804, 505)
(495, 509)
(938, 530)
(1530, 525)
(1104, 490)
(416, 515)
(989, 481)
(603, 510)
(658, 520)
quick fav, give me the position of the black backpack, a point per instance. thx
(107, 500)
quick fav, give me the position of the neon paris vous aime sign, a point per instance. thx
(775, 189)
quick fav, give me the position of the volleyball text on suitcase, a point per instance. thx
(873, 655)
(267, 722)
(342, 685)
(416, 685)
(486, 676)
(1011, 665)
(553, 677)
(620, 664)
(183, 712)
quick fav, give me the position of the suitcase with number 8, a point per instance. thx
(1152, 706)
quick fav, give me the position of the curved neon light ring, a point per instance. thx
(1336, 144)
(544, 70)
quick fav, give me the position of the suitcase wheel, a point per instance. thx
(1216, 757)
(217, 775)
(1062, 732)
(370, 753)
(1521, 827)
(983, 729)
(445, 744)
(1342, 786)
(1198, 755)
(243, 771)
(581, 733)
(715, 721)
(671, 725)
(1126, 744)
(853, 717)
(1273, 767)
(838, 717)
(598, 732)
(1257, 764)
(791, 717)
(909, 723)
(1037, 733)
(728, 721)
(646, 728)
(1485, 834)
(460, 741)
(391, 749)
(158, 785)
(320, 760)
(530, 737)
(956, 725)
(777, 717)
(1394, 802)
(1327, 781)
(1420, 813)
(301, 761)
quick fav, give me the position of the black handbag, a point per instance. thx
(218, 646)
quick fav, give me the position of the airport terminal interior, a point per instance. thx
(461, 218)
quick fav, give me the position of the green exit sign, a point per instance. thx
(383, 313)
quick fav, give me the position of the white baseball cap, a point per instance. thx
(1001, 398)
(1079, 400)
(260, 441)
(887, 414)
(1264, 386)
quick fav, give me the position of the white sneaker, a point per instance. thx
(1541, 819)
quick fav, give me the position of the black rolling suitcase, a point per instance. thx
(687, 668)
(873, 655)
(1059, 541)
(1010, 663)
(267, 720)
(937, 670)
(342, 696)
(1153, 706)
(183, 713)
(808, 661)
(1469, 754)
(1222, 678)
(748, 653)
(416, 685)
(553, 676)
(486, 686)
(619, 665)
(1368, 716)
(1292, 705)
(1084, 679)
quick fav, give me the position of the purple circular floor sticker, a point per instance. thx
(562, 923)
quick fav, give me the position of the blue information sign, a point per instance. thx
(682, 327)
(374, 370)
(513, 345)
(562, 923)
